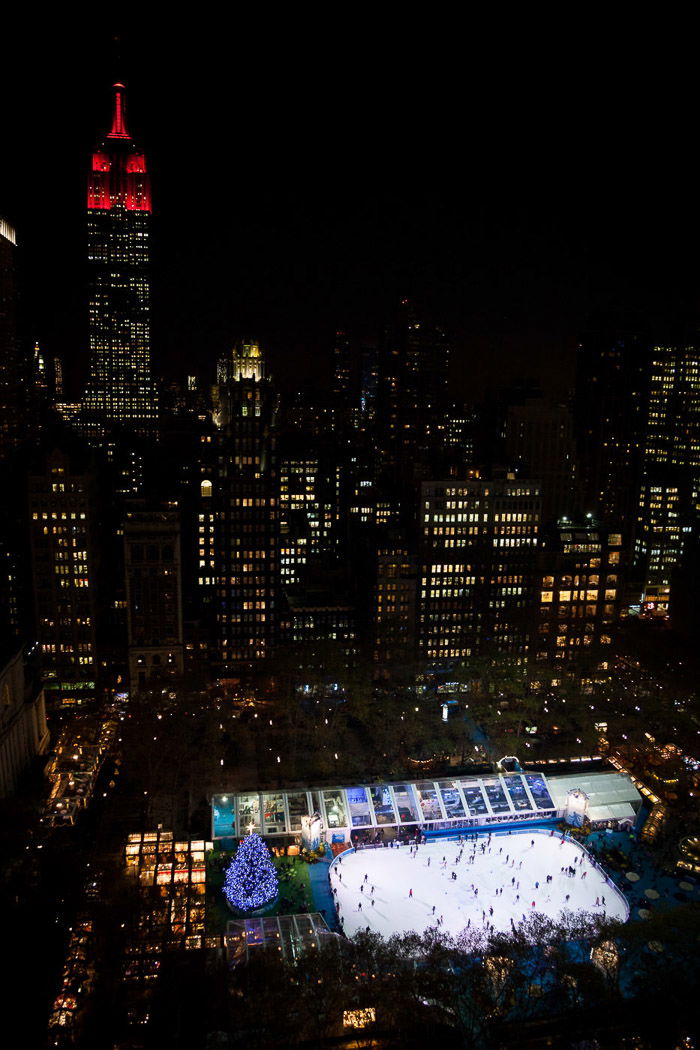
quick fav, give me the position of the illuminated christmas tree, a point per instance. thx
(251, 879)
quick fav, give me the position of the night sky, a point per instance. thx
(309, 172)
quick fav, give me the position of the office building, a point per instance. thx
(669, 491)
(395, 603)
(24, 733)
(153, 596)
(540, 443)
(477, 557)
(412, 387)
(64, 555)
(239, 511)
(120, 391)
(11, 375)
(612, 391)
(579, 596)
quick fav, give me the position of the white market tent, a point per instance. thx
(611, 796)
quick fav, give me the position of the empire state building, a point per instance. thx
(120, 390)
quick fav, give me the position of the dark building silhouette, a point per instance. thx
(153, 596)
(540, 444)
(612, 384)
(11, 372)
(412, 387)
(24, 733)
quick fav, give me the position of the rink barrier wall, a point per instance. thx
(593, 863)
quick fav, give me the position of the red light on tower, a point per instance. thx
(118, 173)
(118, 126)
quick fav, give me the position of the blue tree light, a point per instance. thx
(251, 878)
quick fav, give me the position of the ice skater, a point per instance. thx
(410, 893)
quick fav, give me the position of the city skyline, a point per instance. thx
(328, 208)
(351, 501)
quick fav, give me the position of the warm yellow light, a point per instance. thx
(359, 1018)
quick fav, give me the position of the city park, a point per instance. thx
(536, 862)
(511, 894)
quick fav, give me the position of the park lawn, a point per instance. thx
(294, 888)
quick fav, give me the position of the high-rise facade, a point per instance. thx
(579, 595)
(153, 595)
(412, 387)
(23, 729)
(120, 389)
(478, 544)
(612, 390)
(669, 497)
(64, 552)
(394, 611)
(10, 370)
(239, 517)
(540, 443)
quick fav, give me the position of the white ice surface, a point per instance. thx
(394, 872)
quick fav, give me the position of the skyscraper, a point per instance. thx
(10, 368)
(120, 389)
(412, 387)
(153, 594)
(64, 553)
(579, 596)
(476, 565)
(670, 488)
(239, 515)
(612, 392)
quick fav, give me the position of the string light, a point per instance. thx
(251, 879)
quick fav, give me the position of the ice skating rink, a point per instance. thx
(406, 885)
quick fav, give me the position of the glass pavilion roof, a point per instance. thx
(466, 801)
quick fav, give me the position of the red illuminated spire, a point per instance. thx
(118, 167)
(118, 126)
